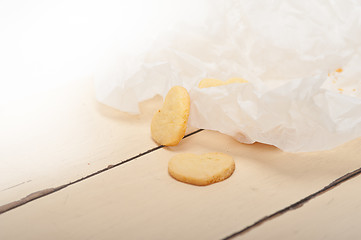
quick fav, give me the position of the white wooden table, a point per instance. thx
(97, 174)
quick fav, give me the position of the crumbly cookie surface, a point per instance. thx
(169, 124)
(202, 169)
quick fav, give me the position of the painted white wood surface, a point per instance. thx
(57, 137)
(334, 215)
(139, 200)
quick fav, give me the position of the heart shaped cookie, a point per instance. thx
(169, 124)
(202, 169)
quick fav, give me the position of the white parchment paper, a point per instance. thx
(302, 61)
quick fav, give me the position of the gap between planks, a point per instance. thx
(42, 193)
(297, 204)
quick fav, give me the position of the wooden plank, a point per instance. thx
(139, 200)
(333, 215)
(57, 137)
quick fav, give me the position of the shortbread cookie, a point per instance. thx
(236, 80)
(202, 169)
(209, 82)
(169, 124)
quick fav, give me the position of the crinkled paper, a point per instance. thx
(302, 61)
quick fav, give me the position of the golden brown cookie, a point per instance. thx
(209, 82)
(169, 124)
(202, 169)
(236, 80)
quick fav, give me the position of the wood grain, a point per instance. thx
(333, 215)
(67, 137)
(58, 137)
(139, 200)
